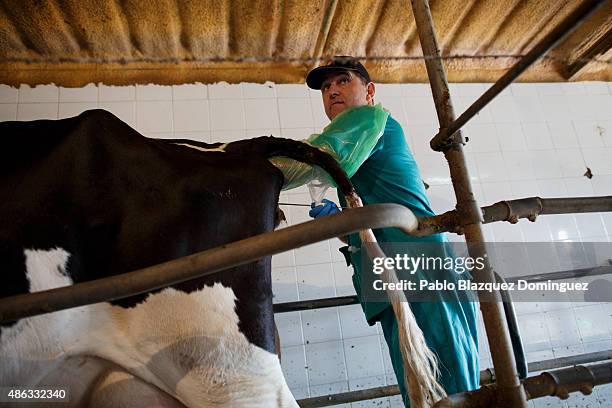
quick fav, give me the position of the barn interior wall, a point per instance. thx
(535, 139)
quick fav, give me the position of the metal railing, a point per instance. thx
(487, 377)
(450, 141)
(206, 262)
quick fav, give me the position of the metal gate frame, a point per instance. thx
(468, 217)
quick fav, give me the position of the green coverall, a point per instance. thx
(390, 175)
(370, 147)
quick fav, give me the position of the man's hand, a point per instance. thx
(325, 208)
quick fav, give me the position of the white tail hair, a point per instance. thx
(420, 363)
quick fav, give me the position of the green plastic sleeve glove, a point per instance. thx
(349, 138)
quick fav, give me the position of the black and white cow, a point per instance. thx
(89, 197)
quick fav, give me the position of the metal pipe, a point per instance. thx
(531, 207)
(576, 205)
(571, 274)
(510, 388)
(315, 304)
(560, 383)
(207, 262)
(513, 327)
(350, 396)
(513, 210)
(295, 204)
(557, 383)
(585, 358)
(487, 377)
(447, 131)
(446, 222)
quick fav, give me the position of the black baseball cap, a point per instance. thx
(339, 63)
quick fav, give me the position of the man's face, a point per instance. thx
(343, 90)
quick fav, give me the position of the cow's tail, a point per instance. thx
(420, 363)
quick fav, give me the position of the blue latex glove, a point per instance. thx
(325, 208)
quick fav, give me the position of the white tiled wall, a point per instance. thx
(534, 139)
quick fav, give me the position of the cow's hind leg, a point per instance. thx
(119, 389)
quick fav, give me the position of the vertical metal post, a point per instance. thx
(510, 390)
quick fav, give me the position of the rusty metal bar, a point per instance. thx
(560, 383)
(557, 383)
(585, 358)
(510, 388)
(315, 304)
(531, 207)
(513, 327)
(576, 205)
(487, 377)
(513, 210)
(445, 222)
(350, 396)
(447, 130)
(207, 262)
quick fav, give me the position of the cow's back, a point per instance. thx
(92, 182)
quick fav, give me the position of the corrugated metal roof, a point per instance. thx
(74, 42)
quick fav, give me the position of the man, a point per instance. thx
(390, 175)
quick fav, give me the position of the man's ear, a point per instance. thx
(370, 89)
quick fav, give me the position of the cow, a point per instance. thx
(89, 197)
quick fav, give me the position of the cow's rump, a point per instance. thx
(89, 197)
